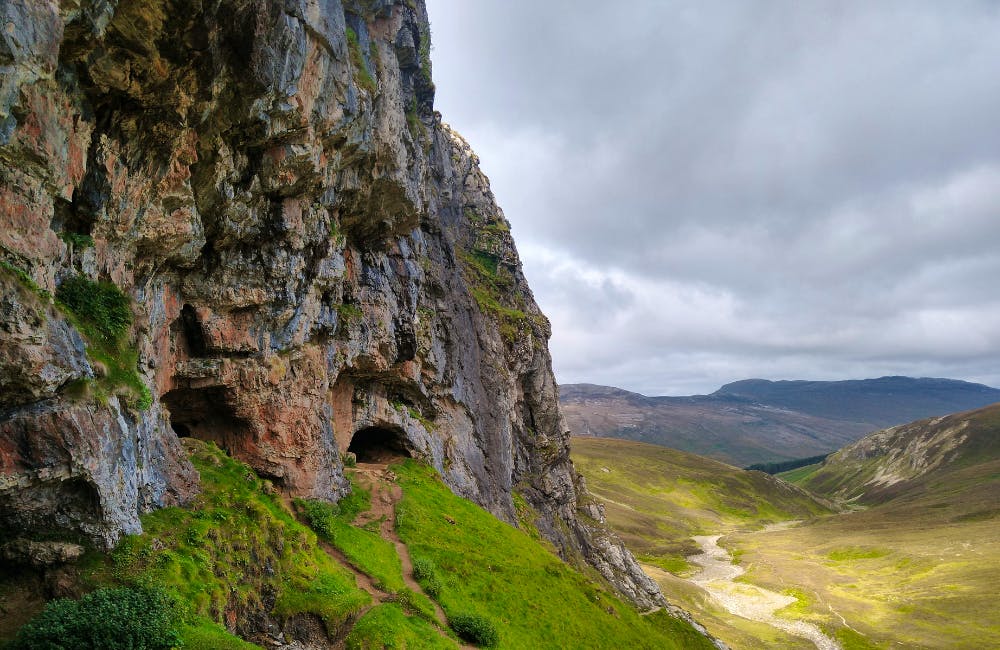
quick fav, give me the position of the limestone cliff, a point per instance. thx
(307, 253)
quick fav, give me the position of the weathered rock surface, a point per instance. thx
(308, 250)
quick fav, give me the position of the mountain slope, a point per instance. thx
(882, 402)
(762, 421)
(916, 461)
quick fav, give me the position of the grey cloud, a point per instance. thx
(772, 189)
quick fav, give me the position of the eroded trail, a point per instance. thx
(385, 494)
(717, 577)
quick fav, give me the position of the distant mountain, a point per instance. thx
(882, 402)
(937, 457)
(756, 420)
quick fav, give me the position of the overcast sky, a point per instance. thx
(709, 191)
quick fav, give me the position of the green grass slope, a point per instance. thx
(658, 498)
(238, 553)
(476, 565)
(234, 552)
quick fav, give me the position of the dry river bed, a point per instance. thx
(717, 577)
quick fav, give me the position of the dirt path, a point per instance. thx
(749, 601)
(385, 494)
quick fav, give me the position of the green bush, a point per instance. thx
(106, 619)
(425, 572)
(77, 240)
(101, 306)
(476, 629)
(321, 515)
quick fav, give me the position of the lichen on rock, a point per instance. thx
(308, 251)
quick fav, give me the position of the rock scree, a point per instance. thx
(307, 254)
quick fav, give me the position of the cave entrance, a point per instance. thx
(206, 414)
(379, 445)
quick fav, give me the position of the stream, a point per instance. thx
(717, 577)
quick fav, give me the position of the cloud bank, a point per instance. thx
(710, 191)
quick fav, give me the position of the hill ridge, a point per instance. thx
(759, 420)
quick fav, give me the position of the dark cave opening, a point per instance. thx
(190, 327)
(379, 445)
(206, 414)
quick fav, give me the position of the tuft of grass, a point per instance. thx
(103, 314)
(491, 569)
(101, 307)
(76, 240)
(22, 276)
(476, 629)
(425, 572)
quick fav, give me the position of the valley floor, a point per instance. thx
(918, 572)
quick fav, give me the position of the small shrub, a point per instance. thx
(101, 306)
(425, 572)
(321, 515)
(350, 459)
(476, 629)
(76, 240)
(106, 619)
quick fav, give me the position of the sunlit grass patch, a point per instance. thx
(387, 626)
(856, 553)
(493, 570)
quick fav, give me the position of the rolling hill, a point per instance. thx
(756, 420)
(657, 498)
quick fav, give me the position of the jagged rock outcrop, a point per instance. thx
(308, 253)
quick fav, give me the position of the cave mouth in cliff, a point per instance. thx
(379, 445)
(206, 414)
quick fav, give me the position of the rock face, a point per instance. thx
(310, 255)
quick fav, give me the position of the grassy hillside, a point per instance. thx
(485, 567)
(240, 553)
(658, 498)
(913, 459)
(919, 565)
